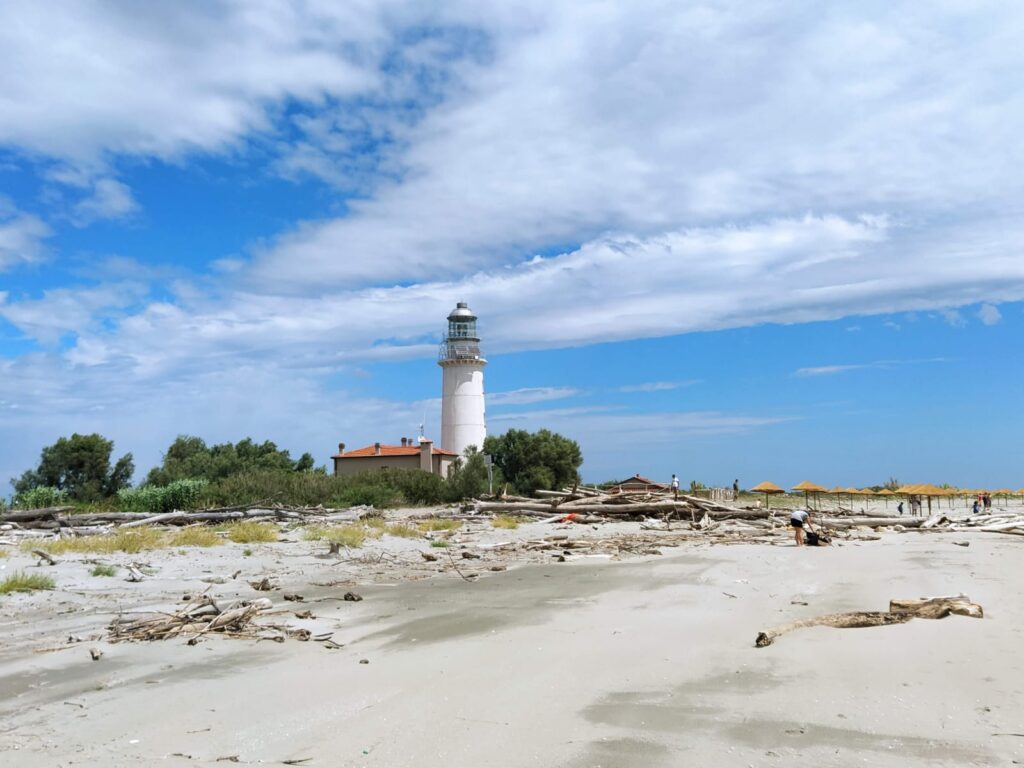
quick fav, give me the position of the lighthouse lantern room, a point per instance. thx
(463, 420)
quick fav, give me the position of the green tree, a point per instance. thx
(80, 466)
(189, 457)
(467, 477)
(531, 461)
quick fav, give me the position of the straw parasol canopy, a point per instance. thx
(808, 487)
(885, 493)
(767, 489)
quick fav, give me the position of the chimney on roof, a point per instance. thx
(376, 449)
(341, 448)
(426, 455)
(405, 442)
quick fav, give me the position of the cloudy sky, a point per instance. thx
(775, 240)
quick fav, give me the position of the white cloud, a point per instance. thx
(657, 386)
(989, 314)
(564, 300)
(108, 199)
(529, 395)
(61, 311)
(953, 317)
(89, 80)
(530, 150)
(830, 370)
(21, 236)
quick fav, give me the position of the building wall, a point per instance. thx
(345, 467)
(463, 417)
(442, 464)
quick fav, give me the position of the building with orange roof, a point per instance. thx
(410, 454)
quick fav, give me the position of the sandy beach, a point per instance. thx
(594, 662)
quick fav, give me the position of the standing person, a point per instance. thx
(987, 501)
(798, 520)
(899, 508)
(675, 487)
(736, 489)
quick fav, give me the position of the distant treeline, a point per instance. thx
(79, 470)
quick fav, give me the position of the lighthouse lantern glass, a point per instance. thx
(462, 329)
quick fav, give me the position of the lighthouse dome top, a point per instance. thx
(461, 312)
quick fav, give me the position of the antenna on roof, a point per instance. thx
(420, 438)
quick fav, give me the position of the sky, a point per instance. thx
(775, 241)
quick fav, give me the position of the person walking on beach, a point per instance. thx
(675, 487)
(798, 520)
(899, 508)
(736, 489)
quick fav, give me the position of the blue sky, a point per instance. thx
(701, 238)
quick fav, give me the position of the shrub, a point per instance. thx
(403, 531)
(129, 541)
(439, 525)
(248, 532)
(25, 582)
(39, 497)
(379, 488)
(181, 494)
(348, 535)
(104, 570)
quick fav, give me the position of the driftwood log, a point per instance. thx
(900, 612)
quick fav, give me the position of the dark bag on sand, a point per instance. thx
(816, 539)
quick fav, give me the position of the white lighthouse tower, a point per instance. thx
(462, 401)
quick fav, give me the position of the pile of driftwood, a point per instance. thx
(992, 522)
(663, 511)
(584, 502)
(203, 615)
(199, 617)
(65, 519)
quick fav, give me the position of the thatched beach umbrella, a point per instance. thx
(838, 492)
(910, 491)
(851, 492)
(867, 492)
(807, 487)
(766, 488)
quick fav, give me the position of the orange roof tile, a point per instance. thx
(389, 450)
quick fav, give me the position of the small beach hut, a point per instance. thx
(767, 489)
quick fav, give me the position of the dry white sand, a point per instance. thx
(587, 663)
